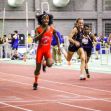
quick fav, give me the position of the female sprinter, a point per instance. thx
(76, 45)
(87, 42)
(44, 33)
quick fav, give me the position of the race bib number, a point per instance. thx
(85, 41)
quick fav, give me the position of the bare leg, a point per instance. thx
(36, 74)
(82, 57)
(86, 65)
(69, 57)
(49, 62)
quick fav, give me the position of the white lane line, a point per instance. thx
(76, 86)
(8, 98)
(17, 107)
(56, 101)
(80, 107)
(63, 92)
(48, 100)
(45, 101)
(55, 90)
(61, 83)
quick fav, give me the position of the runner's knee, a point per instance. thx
(49, 63)
(37, 70)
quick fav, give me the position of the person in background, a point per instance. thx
(1, 40)
(1, 47)
(109, 42)
(15, 43)
(30, 40)
(9, 44)
(57, 57)
(97, 45)
(109, 39)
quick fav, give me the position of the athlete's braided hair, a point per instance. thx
(40, 17)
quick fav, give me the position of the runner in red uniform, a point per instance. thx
(44, 33)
